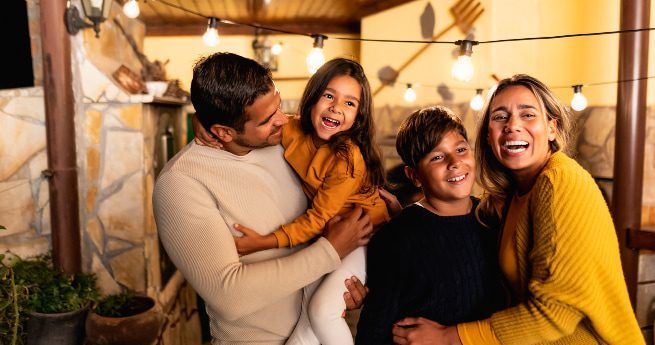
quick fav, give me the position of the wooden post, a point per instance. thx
(60, 133)
(630, 134)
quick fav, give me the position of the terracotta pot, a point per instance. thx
(56, 329)
(139, 329)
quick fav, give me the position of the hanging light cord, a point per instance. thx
(261, 27)
(257, 26)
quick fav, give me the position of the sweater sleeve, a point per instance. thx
(476, 333)
(573, 264)
(330, 198)
(201, 245)
(385, 277)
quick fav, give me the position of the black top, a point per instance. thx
(421, 264)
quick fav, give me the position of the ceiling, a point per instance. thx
(305, 16)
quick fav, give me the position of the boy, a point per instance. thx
(434, 260)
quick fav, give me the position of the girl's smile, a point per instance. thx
(337, 107)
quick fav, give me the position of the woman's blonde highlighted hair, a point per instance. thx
(496, 179)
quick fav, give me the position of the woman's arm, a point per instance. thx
(575, 267)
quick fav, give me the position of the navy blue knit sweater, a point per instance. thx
(421, 264)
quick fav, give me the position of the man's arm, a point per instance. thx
(202, 247)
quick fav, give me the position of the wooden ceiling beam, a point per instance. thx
(378, 6)
(199, 29)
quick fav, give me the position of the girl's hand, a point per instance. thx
(204, 138)
(354, 297)
(421, 331)
(252, 242)
(393, 205)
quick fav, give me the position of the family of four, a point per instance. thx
(267, 216)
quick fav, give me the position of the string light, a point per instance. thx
(211, 35)
(463, 68)
(477, 102)
(131, 9)
(276, 49)
(579, 101)
(410, 94)
(315, 59)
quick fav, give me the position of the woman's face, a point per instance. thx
(520, 132)
(336, 109)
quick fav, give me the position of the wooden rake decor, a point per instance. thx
(464, 12)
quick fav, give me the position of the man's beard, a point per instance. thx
(241, 141)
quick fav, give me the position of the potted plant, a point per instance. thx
(55, 303)
(116, 317)
(11, 297)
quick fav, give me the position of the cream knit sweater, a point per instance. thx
(198, 196)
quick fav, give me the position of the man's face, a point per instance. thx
(264, 125)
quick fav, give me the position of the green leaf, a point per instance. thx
(2, 227)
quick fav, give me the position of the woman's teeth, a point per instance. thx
(516, 146)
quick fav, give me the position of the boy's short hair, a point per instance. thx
(223, 85)
(421, 131)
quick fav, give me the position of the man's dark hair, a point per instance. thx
(223, 85)
(423, 130)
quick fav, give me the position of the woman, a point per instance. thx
(558, 249)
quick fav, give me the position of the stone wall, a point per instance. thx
(24, 208)
(115, 144)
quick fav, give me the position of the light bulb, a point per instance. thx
(477, 102)
(579, 101)
(463, 68)
(211, 35)
(276, 49)
(131, 9)
(315, 59)
(410, 94)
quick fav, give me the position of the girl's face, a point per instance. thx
(519, 132)
(336, 109)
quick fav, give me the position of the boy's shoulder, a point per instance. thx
(399, 227)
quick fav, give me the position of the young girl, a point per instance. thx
(331, 148)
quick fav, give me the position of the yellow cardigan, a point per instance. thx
(568, 267)
(328, 181)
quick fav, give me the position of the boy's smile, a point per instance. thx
(446, 174)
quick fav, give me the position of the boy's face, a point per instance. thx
(447, 172)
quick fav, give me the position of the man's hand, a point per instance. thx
(421, 331)
(354, 297)
(204, 138)
(348, 232)
(393, 205)
(252, 242)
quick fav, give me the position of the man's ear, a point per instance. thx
(411, 175)
(223, 133)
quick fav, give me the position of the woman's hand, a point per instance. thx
(204, 138)
(421, 331)
(393, 205)
(354, 297)
(252, 242)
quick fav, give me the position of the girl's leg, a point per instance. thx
(327, 304)
(303, 334)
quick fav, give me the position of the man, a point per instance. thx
(203, 191)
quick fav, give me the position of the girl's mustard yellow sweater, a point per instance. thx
(568, 267)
